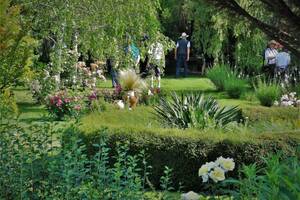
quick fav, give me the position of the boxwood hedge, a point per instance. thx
(186, 152)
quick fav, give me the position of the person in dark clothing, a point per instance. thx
(182, 54)
(110, 68)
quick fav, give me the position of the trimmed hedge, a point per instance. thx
(185, 153)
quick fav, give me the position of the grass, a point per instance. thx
(142, 118)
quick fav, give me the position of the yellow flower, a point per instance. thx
(226, 163)
(217, 174)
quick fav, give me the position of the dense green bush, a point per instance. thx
(194, 111)
(235, 87)
(34, 165)
(277, 179)
(267, 93)
(185, 153)
(219, 75)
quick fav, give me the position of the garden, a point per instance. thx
(93, 105)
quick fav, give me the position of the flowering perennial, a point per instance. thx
(216, 170)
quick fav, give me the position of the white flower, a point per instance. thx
(298, 103)
(226, 163)
(204, 169)
(190, 196)
(217, 174)
(150, 93)
(284, 98)
(120, 104)
(284, 103)
(276, 103)
(205, 178)
(56, 78)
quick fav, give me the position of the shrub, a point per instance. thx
(219, 75)
(267, 93)
(8, 106)
(235, 87)
(193, 111)
(277, 179)
(34, 166)
(184, 153)
(62, 104)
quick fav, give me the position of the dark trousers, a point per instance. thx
(181, 61)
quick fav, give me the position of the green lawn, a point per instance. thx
(143, 118)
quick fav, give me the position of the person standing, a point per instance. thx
(182, 54)
(156, 62)
(270, 59)
(283, 59)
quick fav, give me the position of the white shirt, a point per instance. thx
(157, 51)
(283, 59)
(270, 56)
(188, 45)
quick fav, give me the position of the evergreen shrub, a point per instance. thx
(186, 153)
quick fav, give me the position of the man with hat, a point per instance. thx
(182, 54)
(270, 58)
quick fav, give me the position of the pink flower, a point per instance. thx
(77, 107)
(93, 96)
(59, 102)
(67, 100)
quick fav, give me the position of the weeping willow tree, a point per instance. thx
(227, 40)
(102, 27)
(279, 19)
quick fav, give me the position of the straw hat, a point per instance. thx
(272, 42)
(184, 35)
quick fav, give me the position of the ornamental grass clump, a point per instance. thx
(235, 87)
(194, 111)
(130, 81)
(219, 75)
(267, 93)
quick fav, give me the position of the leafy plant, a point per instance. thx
(267, 93)
(219, 76)
(278, 179)
(194, 111)
(62, 104)
(235, 87)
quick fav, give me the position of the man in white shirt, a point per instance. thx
(270, 58)
(283, 59)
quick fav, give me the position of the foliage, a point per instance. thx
(16, 46)
(62, 104)
(277, 179)
(219, 75)
(267, 93)
(8, 106)
(225, 39)
(35, 165)
(235, 87)
(184, 153)
(193, 111)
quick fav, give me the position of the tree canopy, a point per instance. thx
(279, 19)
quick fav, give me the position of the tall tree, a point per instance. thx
(16, 45)
(283, 23)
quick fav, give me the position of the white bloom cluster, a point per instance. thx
(288, 100)
(216, 170)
